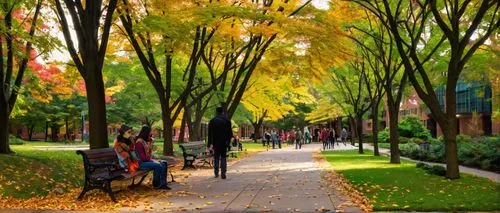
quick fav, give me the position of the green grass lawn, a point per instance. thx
(404, 187)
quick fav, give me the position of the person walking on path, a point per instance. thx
(331, 138)
(298, 139)
(219, 137)
(282, 138)
(324, 138)
(267, 137)
(343, 136)
(274, 138)
(307, 135)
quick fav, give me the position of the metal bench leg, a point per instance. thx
(172, 176)
(107, 187)
(188, 164)
(133, 184)
(85, 190)
(142, 179)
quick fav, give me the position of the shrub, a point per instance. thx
(384, 136)
(421, 165)
(416, 140)
(15, 141)
(410, 150)
(484, 154)
(432, 169)
(437, 170)
(436, 153)
(403, 140)
(464, 139)
(412, 127)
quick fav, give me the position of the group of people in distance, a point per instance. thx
(329, 137)
(137, 153)
(292, 136)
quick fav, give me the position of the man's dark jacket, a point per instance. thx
(220, 133)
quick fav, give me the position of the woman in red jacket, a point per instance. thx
(143, 149)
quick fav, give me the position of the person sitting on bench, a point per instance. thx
(146, 162)
(125, 149)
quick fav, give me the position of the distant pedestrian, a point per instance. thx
(267, 137)
(298, 139)
(219, 137)
(324, 138)
(331, 138)
(343, 136)
(307, 135)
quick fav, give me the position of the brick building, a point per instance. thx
(474, 111)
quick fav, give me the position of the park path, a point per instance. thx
(280, 180)
(463, 169)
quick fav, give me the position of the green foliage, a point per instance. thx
(15, 141)
(432, 169)
(384, 136)
(412, 127)
(483, 153)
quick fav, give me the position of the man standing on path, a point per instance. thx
(219, 137)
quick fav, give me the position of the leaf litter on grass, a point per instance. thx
(341, 184)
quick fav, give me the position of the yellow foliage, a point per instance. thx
(110, 91)
(324, 111)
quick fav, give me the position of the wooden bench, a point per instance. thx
(195, 150)
(101, 168)
(234, 149)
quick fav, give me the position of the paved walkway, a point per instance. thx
(463, 169)
(277, 180)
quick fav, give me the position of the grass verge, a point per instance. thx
(404, 187)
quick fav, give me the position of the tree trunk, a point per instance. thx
(182, 131)
(256, 130)
(31, 128)
(46, 130)
(197, 127)
(359, 125)
(67, 128)
(394, 134)
(353, 129)
(375, 125)
(98, 134)
(4, 130)
(168, 146)
(451, 149)
(54, 130)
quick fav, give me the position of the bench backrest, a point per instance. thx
(195, 147)
(92, 156)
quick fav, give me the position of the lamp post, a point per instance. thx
(83, 125)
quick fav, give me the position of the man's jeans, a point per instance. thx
(159, 172)
(219, 156)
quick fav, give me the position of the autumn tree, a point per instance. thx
(350, 93)
(463, 26)
(159, 46)
(378, 45)
(19, 22)
(91, 22)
